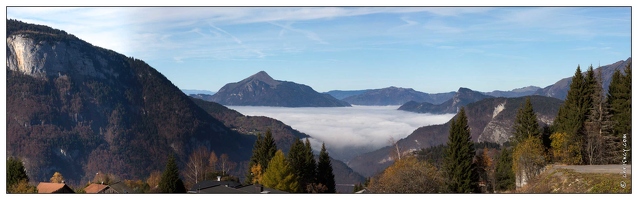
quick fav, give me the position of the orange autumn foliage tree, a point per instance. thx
(408, 175)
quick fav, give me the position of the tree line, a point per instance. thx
(592, 127)
(298, 172)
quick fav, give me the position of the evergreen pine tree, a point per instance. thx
(459, 154)
(529, 152)
(569, 113)
(254, 160)
(528, 149)
(324, 170)
(170, 181)
(310, 167)
(526, 124)
(504, 175)
(280, 175)
(15, 172)
(268, 149)
(615, 89)
(263, 151)
(619, 99)
(572, 114)
(297, 160)
(597, 127)
(626, 120)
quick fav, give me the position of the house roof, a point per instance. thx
(121, 188)
(95, 188)
(45, 187)
(230, 187)
(208, 184)
(221, 189)
(251, 189)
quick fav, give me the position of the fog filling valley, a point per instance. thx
(348, 131)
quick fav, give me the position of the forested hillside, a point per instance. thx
(80, 109)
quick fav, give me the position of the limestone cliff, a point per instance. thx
(41, 59)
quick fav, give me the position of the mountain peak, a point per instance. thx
(262, 90)
(462, 90)
(263, 77)
(397, 88)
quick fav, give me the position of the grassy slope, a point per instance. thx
(568, 181)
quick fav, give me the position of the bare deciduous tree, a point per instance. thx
(226, 164)
(196, 166)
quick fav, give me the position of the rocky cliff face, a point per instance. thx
(41, 59)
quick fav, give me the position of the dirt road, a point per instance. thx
(612, 169)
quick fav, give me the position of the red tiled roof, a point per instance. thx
(44, 187)
(95, 188)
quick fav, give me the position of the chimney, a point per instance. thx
(219, 178)
(259, 188)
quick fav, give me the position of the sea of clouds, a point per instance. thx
(348, 131)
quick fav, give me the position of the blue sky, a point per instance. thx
(430, 49)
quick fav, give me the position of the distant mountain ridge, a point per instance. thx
(395, 96)
(190, 92)
(262, 90)
(462, 97)
(518, 92)
(342, 94)
(560, 88)
(490, 120)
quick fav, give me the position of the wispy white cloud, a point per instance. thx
(348, 132)
(442, 27)
(404, 36)
(127, 29)
(407, 23)
(308, 34)
(228, 34)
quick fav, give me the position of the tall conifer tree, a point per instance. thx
(458, 164)
(597, 127)
(170, 181)
(526, 124)
(254, 161)
(529, 154)
(310, 168)
(324, 171)
(297, 160)
(619, 99)
(15, 172)
(572, 114)
(269, 148)
(280, 175)
(504, 175)
(263, 151)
